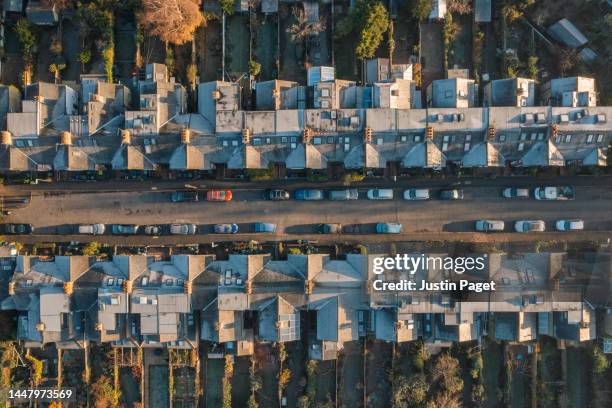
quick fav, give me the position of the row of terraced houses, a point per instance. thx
(385, 125)
(179, 302)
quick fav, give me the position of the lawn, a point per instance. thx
(492, 355)
(158, 386)
(237, 43)
(350, 375)
(266, 46)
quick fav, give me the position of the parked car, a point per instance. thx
(352, 228)
(416, 194)
(153, 229)
(554, 193)
(489, 225)
(329, 228)
(380, 194)
(219, 195)
(92, 229)
(276, 195)
(125, 229)
(185, 196)
(225, 228)
(388, 228)
(515, 192)
(343, 195)
(18, 229)
(530, 226)
(453, 194)
(308, 194)
(570, 225)
(265, 227)
(183, 229)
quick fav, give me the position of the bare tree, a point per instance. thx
(459, 6)
(567, 60)
(302, 28)
(173, 21)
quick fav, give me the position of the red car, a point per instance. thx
(219, 195)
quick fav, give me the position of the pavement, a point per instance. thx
(57, 209)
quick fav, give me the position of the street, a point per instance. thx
(58, 212)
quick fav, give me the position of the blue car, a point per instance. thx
(226, 228)
(265, 227)
(308, 194)
(388, 228)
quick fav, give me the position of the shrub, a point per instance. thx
(254, 68)
(227, 6)
(109, 60)
(85, 56)
(26, 36)
(600, 361)
(92, 249)
(312, 175)
(192, 73)
(103, 393)
(260, 174)
(36, 369)
(353, 176)
(361, 249)
(283, 379)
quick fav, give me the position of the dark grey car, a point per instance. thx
(343, 195)
(329, 228)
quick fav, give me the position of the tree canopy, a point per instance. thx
(410, 392)
(370, 20)
(420, 8)
(173, 21)
(103, 393)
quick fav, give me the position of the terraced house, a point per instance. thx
(329, 125)
(138, 301)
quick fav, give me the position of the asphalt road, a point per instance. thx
(59, 212)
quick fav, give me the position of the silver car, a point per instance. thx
(380, 194)
(416, 194)
(530, 226)
(183, 229)
(489, 225)
(343, 195)
(515, 192)
(92, 229)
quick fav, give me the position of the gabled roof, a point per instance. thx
(14, 159)
(543, 154)
(306, 156)
(483, 155)
(596, 157)
(73, 158)
(426, 155)
(373, 159)
(129, 157)
(355, 158)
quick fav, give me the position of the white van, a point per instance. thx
(92, 229)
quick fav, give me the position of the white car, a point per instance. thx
(380, 194)
(92, 229)
(570, 225)
(416, 194)
(530, 226)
